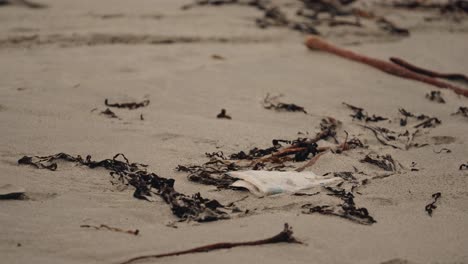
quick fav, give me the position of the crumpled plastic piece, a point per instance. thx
(263, 183)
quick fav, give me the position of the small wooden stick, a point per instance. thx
(416, 69)
(285, 236)
(314, 42)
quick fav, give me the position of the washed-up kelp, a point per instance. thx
(316, 43)
(385, 162)
(114, 229)
(223, 114)
(285, 236)
(109, 113)
(393, 139)
(347, 209)
(360, 114)
(24, 3)
(131, 105)
(12, 192)
(407, 114)
(464, 166)
(146, 184)
(428, 121)
(435, 96)
(431, 207)
(462, 111)
(390, 27)
(271, 102)
(449, 6)
(273, 15)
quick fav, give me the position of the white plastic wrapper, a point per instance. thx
(263, 183)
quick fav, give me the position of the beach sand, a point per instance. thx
(59, 63)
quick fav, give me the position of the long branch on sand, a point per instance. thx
(285, 236)
(314, 42)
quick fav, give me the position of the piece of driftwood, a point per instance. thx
(285, 236)
(316, 43)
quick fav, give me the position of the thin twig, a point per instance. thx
(315, 43)
(285, 236)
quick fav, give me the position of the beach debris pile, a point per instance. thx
(146, 184)
(308, 14)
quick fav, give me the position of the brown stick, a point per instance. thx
(416, 69)
(314, 42)
(285, 236)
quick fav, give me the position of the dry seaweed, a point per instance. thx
(407, 114)
(223, 114)
(285, 236)
(384, 135)
(390, 27)
(463, 166)
(345, 175)
(272, 103)
(385, 162)
(114, 229)
(131, 105)
(446, 150)
(146, 184)
(448, 7)
(12, 192)
(462, 111)
(435, 96)
(25, 3)
(431, 122)
(109, 113)
(360, 114)
(347, 209)
(431, 207)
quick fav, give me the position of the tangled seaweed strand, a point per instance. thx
(185, 207)
(361, 114)
(347, 209)
(431, 207)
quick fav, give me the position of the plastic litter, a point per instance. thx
(262, 183)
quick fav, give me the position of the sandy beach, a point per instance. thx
(59, 63)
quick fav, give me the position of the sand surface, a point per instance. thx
(58, 64)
